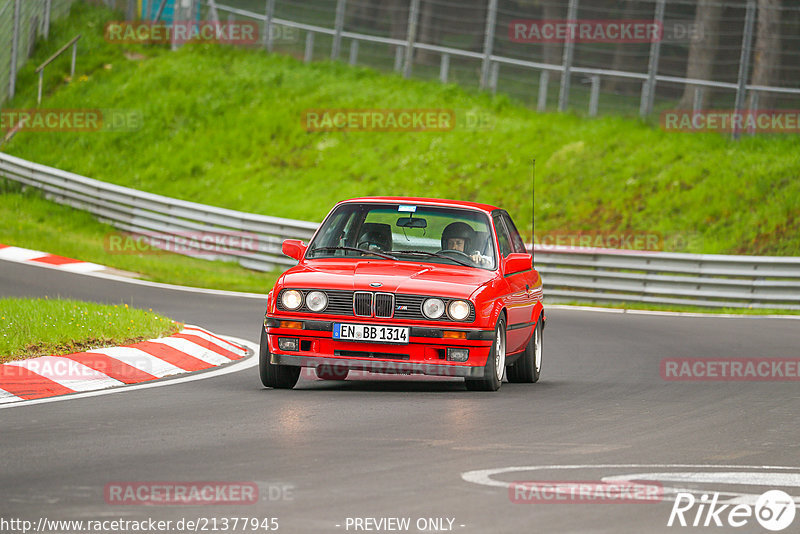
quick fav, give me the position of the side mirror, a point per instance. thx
(518, 262)
(294, 248)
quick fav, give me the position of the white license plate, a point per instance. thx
(370, 333)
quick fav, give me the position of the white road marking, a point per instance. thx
(5, 396)
(68, 373)
(709, 477)
(199, 332)
(20, 254)
(82, 267)
(193, 349)
(241, 365)
(765, 475)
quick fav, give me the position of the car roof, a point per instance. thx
(421, 200)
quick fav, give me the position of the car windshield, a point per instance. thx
(407, 232)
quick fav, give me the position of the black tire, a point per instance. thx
(526, 370)
(491, 381)
(272, 375)
(332, 372)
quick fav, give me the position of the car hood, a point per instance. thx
(395, 277)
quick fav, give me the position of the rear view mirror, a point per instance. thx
(294, 248)
(517, 263)
(409, 222)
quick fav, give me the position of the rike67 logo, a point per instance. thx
(774, 510)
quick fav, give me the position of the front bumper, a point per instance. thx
(425, 353)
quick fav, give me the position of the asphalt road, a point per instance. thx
(397, 448)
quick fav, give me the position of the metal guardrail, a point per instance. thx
(144, 213)
(570, 274)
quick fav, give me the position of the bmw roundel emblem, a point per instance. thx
(375, 284)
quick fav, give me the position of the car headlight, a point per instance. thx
(458, 310)
(292, 299)
(433, 308)
(316, 301)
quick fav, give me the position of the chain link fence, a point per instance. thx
(706, 54)
(736, 54)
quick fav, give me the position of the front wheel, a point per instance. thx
(495, 363)
(273, 375)
(529, 365)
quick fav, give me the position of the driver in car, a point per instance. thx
(460, 237)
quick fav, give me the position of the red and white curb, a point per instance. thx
(191, 349)
(25, 255)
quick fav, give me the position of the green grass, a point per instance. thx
(39, 327)
(223, 126)
(28, 221)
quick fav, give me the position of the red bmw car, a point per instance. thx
(407, 285)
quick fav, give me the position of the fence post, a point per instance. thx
(594, 97)
(649, 87)
(353, 51)
(744, 61)
(398, 58)
(698, 100)
(12, 73)
(130, 13)
(309, 53)
(494, 73)
(339, 24)
(413, 15)
(48, 7)
(74, 57)
(753, 106)
(161, 11)
(39, 93)
(269, 12)
(544, 79)
(179, 9)
(213, 12)
(566, 66)
(488, 42)
(444, 68)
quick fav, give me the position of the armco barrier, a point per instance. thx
(597, 275)
(136, 211)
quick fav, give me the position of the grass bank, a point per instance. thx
(40, 327)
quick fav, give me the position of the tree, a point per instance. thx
(702, 52)
(766, 56)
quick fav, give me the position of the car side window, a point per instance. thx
(517, 244)
(502, 235)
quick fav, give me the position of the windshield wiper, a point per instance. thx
(437, 254)
(365, 251)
